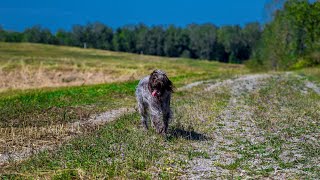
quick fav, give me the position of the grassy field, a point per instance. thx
(25, 66)
(228, 125)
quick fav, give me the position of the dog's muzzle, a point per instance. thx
(155, 93)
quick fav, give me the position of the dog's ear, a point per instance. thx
(170, 86)
(151, 77)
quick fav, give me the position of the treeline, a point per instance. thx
(292, 39)
(207, 41)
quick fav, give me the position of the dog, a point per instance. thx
(153, 95)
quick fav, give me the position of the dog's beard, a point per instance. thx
(157, 88)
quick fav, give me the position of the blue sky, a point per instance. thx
(55, 14)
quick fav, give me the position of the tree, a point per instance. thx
(37, 34)
(232, 40)
(64, 38)
(176, 42)
(140, 32)
(98, 35)
(32, 34)
(78, 35)
(153, 41)
(2, 34)
(204, 42)
(250, 36)
(291, 37)
(104, 35)
(125, 39)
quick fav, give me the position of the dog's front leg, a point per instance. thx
(166, 118)
(158, 123)
(144, 115)
(167, 115)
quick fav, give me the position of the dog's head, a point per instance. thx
(159, 83)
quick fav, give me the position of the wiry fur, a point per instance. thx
(153, 95)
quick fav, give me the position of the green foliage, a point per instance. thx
(293, 35)
(238, 42)
(302, 62)
(176, 42)
(203, 41)
(207, 41)
(36, 34)
(95, 35)
(154, 39)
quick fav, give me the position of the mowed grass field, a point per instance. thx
(228, 124)
(45, 87)
(34, 66)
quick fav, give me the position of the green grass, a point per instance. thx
(312, 73)
(39, 107)
(123, 150)
(27, 115)
(120, 149)
(60, 105)
(113, 151)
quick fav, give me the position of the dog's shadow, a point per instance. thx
(188, 135)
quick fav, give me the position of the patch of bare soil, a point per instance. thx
(313, 86)
(194, 84)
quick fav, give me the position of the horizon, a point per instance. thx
(17, 15)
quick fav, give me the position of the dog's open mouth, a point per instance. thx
(155, 93)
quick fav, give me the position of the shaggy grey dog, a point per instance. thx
(153, 95)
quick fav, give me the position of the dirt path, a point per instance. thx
(236, 130)
(70, 131)
(313, 86)
(235, 120)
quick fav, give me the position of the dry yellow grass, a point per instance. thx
(25, 66)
